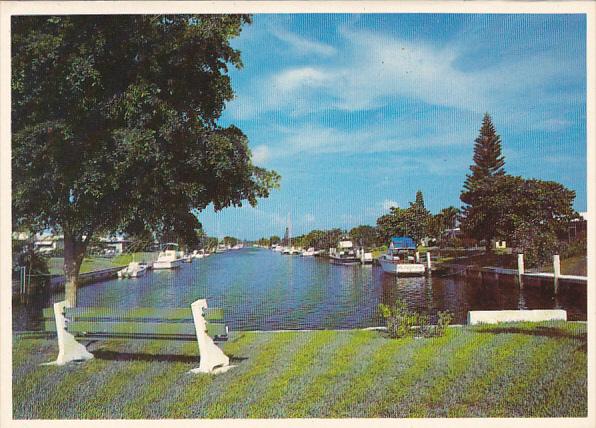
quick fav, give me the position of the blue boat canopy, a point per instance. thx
(403, 243)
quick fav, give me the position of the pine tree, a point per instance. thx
(488, 160)
(478, 214)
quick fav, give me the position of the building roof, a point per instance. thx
(403, 243)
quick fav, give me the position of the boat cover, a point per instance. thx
(403, 243)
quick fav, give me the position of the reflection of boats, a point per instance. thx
(401, 258)
(344, 254)
(133, 270)
(168, 259)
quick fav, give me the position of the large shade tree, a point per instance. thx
(115, 126)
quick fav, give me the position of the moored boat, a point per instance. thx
(133, 270)
(401, 258)
(168, 259)
(308, 253)
(344, 254)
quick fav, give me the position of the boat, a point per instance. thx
(401, 258)
(308, 253)
(199, 254)
(277, 248)
(168, 259)
(344, 254)
(366, 258)
(133, 270)
(187, 258)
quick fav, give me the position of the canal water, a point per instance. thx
(264, 290)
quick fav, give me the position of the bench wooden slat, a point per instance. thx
(158, 328)
(213, 314)
(121, 313)
(49, 325)
(216, 329)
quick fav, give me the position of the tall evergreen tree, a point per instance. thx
(488, 160)
(478, 217)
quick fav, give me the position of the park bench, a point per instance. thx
(198, 322)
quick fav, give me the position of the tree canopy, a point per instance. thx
(412, 221)
(115, 125)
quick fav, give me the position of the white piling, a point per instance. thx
(556, 271)
(417, 257)
(520, 268)
(428, 266)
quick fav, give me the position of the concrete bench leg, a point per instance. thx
(213, 360)
(68, 348)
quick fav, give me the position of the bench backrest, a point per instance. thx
(150, 323)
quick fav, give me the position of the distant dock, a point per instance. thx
(496, 274)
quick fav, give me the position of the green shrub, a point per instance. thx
(401, 322)
(444, 318)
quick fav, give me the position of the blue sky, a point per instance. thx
(357, 112)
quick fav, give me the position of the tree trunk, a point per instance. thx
(74, 251)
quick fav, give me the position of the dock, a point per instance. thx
(498, 274)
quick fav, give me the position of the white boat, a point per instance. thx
(364, 256)
(169, 259)
(198, 254)
(187, 258)
(308, 253)
(133, 270)
(278, 248)
(401, 258)
(344, 254)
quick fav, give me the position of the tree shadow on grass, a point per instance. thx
(138, 356)
(551, 332)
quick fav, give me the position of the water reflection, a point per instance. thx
(263, 290)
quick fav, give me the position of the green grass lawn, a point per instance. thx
(507, 370)
(577, 265)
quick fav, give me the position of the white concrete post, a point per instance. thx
(557, 271)
(68, 348)
(520, 264)
(213, 360)
(428, 266)
(417, 257)
(520, 268)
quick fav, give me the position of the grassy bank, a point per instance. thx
(577, 265)
(90, 264)
(523, 370)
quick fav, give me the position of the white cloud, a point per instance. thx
(388, 204)
(375, 70)
(300, 78)
(302, 45)
(260, 154)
